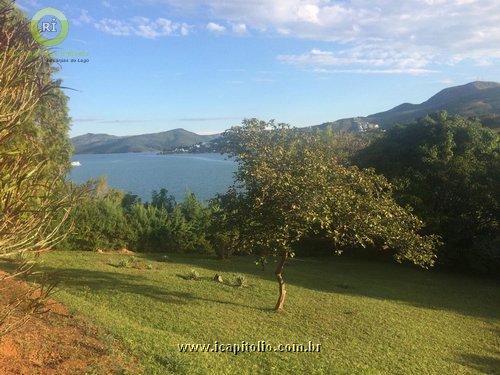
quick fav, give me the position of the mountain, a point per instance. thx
(109, 144)
(479, 99)
(88, 141)
(475, 99)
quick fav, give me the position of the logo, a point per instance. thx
(49, 27)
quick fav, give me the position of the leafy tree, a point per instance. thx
(448, 169)
(291, 184)
(149, 225)
(129, 201)
(161, 199)
(167, 226)
(34, 147)
(192, 208)
(32, 168)
(181, 233)
(99, 220)
(222, 232)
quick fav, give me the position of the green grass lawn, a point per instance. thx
(369, 317)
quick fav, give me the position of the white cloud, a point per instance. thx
(83, 18)
(114, 27)
(412, 71)
(239, 28)
(143, 27)
(215, 27)
(283, 31)
(236, 28)
(308, 13)
(443, 31)
(185, 29)
(362, 59)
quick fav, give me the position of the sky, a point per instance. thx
(204, 65)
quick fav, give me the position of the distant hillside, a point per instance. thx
(88, 141)
(108, 144)
(480, 99)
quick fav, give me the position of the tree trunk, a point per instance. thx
(281, 282)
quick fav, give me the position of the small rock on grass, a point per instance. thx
(218, 278)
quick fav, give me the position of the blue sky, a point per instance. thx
(204, 65)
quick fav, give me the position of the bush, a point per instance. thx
(98, 221)
(149, 226)
(108, 219)
(124, 263)
(221, 231)
(241, 280)
(193, 275)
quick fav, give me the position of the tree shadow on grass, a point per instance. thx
(482, 363)
(464, 294)
(82, 279)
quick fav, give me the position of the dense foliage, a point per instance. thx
(291, 185)
(35, 198)
(448, 169)
(108, 219)
(34, 147)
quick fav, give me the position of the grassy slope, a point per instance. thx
(369, 317)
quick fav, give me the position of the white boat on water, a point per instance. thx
(76, 164)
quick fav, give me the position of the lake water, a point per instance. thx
(141, 173)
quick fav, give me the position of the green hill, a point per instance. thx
(108, 144)
(475, 99)
(479, 99)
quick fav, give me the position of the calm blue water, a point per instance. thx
(141, 173)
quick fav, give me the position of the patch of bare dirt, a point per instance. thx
(123, 251)
(57, 342)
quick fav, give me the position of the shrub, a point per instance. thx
(221, 232)
(169, 227)
(133, 262)
(149, 226)
(124, 263)
(108, 219)
(241, 280)
(193, 275)
(98, 221)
